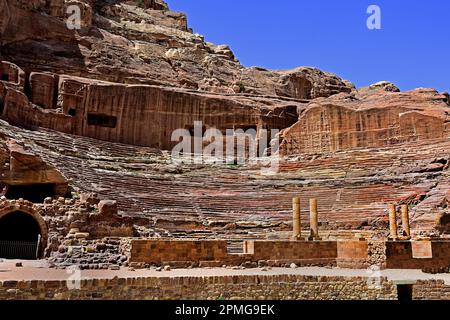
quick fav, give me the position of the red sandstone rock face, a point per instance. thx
(353, 188)
(369, 118)
(76, 105)
(139, 73)
(122, 42)
(20, 167)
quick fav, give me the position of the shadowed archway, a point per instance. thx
(23, 234)
(19, 236)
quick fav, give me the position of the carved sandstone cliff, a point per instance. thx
(369, 118)
(135, 114)
(122, 42)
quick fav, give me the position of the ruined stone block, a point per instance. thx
(107, 208)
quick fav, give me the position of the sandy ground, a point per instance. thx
(38, 270)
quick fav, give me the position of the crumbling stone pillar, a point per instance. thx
(313, 220)
(405, 221)
(297, 231)
(393, 222)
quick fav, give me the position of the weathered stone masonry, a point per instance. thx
(354, 254)
(257, 287)
(285, 287)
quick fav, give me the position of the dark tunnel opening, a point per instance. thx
(19, 236)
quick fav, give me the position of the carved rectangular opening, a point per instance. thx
(72, 112)
(32, 192)
(405, 292)
(191, 130)
(2, 106)
(102, 120)
(5, 77)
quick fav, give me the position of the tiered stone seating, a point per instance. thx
(352, 188)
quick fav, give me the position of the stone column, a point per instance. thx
(393, 221)
(405, 221)
(297, 231)
(313, 220)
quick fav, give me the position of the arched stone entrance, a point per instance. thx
(20, 229)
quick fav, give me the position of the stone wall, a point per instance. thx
(214, 253)
(401, 255)
(368, 120)
(352, 254)
(344, 254)
(72, 231)
(299, 252)
(377, 253)
(167, 251)
(258, 287)
(431, 290)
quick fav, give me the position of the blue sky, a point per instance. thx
(412, 49)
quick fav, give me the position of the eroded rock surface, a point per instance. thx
(377, 116)
(140, 42)
(92, 111)
(353, 188)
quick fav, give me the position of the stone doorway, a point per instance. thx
(23, 234)
(405, 292)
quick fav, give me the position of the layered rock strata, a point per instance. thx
(140, 43)
(134, 72)
(368, 118)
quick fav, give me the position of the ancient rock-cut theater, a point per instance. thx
(86, 123)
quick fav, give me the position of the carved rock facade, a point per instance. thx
(87, 109)
(369, 118)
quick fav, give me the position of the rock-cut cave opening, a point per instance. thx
(32, 192)
(302, 88)
(405, 292)
(19, 236)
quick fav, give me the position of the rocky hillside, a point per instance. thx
(140, 42)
